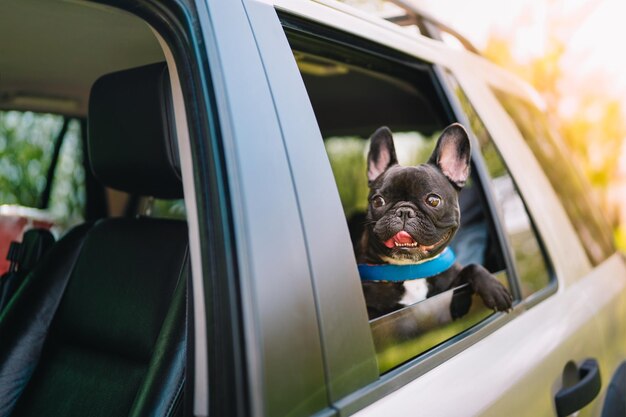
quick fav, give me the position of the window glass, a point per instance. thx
(557, 162)
(406, 333)
(67, 196)
(530, 261)
(352, 95)
(167, 209)
(132, 205)
(27, 149)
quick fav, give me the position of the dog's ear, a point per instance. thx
(452, 154)
(382, 153)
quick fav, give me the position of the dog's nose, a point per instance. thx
(405, 212)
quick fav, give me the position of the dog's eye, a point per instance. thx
(433, 200)
(378, 201)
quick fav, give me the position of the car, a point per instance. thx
(212, 191)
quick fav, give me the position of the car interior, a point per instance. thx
(96, 322)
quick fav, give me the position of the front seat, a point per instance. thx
(99, 326)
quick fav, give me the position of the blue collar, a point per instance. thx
(398, 273)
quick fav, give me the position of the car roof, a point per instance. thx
(409, 40)
(53, 51)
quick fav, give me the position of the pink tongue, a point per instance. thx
(400, 237)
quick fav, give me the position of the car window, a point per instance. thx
(67, 190)
(354, 93)
(531, 262)
(166, 209)
(41, 165)
(557, 162)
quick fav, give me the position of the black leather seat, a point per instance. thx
(99, 326)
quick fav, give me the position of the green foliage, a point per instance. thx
(348, 157)
(592, 132)
(169, 209)
(26, 145)
(531, 267)
(422, 328)
(26, 149)
(490, 154)
(390, 353)
(67, 197)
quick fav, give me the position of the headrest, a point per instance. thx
(132, 140)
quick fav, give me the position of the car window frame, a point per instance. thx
(216, 363)
(505, 98)
(447, 98)
(448, 76)
(561, 243)
(421, 364)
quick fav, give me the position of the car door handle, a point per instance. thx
(574, 397)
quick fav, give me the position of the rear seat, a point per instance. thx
(99, 326)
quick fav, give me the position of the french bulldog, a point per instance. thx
(412, 216)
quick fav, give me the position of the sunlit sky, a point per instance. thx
(594, 61)
(592, 30)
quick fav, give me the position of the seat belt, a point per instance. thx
(23, 257)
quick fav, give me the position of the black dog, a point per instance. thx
(412, 216)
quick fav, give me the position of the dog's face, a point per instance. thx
(414, 211)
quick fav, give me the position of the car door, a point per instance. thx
(601, 285)
(276, 330)
(512, 364)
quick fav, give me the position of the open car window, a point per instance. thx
(354, 93)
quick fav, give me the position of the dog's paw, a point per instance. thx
(461, 303)
(494, 295)
(497, 297)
